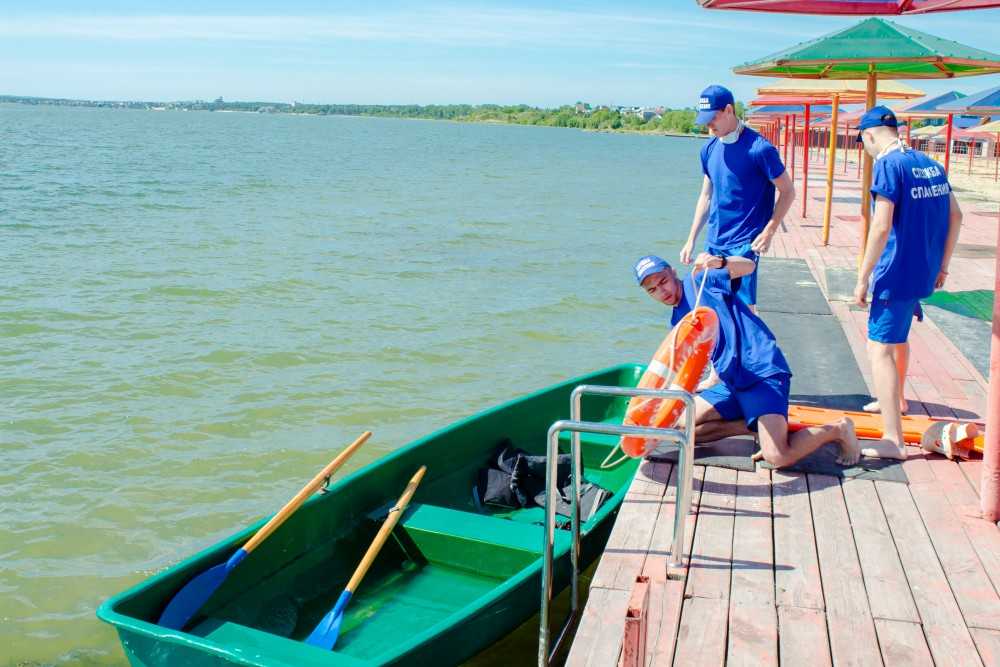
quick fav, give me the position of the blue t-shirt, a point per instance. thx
(918, 187)
(745, 351)
(742, 191)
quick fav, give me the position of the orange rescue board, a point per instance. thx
(867, 425)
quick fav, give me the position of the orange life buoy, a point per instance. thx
(688, 347)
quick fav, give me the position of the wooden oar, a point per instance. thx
(325, 634)
(196, 592)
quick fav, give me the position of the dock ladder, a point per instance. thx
(683, 438)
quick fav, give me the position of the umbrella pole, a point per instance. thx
(971, 145)
(792, 149)
(847, 141)
(996, 153)
(831, 159)
(947, 144)
(786, 139)
(805, 163)
(866, 176)
(989, 491)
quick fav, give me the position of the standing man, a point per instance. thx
(742, 170)
(914, 229)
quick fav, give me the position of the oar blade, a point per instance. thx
(325, 634)
(196, 592)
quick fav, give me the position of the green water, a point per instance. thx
(198, 310)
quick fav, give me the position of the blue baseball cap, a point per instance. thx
(648, 265)
(713, 100)
(877, 117)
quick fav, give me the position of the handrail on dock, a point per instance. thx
(683, 438)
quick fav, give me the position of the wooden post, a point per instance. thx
(636, 617)
(805, 164)
(866, 176)
(831, 159)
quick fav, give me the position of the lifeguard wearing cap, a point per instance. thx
(915, 226)
(741, 172)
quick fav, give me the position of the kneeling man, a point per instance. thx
(754, 378)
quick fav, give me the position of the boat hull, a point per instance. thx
(457, 578)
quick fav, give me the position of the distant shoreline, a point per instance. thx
(625, 120)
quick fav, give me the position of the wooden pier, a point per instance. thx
(799, 569)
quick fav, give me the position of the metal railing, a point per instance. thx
(685, 440)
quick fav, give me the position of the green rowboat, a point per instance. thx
(457, 577)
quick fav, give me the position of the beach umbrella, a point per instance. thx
(870, 50)
(984, 103)
(832, 92)
(931, 107)
(849, 7)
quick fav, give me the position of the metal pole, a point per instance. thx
(805, 163)
(829, 172)
(996, 153)
(792, 149)
(947, 143)
(989, 490)
(786, 139)
(866, 177)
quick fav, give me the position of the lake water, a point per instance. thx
(197, 310)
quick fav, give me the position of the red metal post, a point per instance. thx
(947, 145)
(791, 150)
(805, 165)
(847, 142)
(989, 491)
(786, 139)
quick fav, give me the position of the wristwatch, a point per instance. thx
(724, 261)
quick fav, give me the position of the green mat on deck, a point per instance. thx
(973, 303)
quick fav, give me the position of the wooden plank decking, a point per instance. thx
(798, 569)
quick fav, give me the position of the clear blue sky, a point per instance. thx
(404, 52)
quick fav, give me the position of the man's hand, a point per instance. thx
(686, 252)
(941, 277)
(762, 243)
(706, 261)
(861, 294)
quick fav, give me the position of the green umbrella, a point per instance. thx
(876, 46)
(875, 49)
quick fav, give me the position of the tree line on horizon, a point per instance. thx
(580, 115)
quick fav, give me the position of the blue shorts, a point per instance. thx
(748, 283)
(769, 396)
(889, 320)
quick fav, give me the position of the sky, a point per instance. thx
(477, 51)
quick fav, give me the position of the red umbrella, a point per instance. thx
(850, 7)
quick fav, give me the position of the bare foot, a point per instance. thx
(850, 448)
(874, 407)
(884, 449)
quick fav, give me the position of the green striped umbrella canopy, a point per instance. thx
(875, 46)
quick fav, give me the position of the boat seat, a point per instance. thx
(482, 528)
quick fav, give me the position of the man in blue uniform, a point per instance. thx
(754, 378)
(741, 172)
(914, 229)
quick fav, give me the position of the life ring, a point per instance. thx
(687, 349)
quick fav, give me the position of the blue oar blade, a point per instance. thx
(196, 592)
(326, 632)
